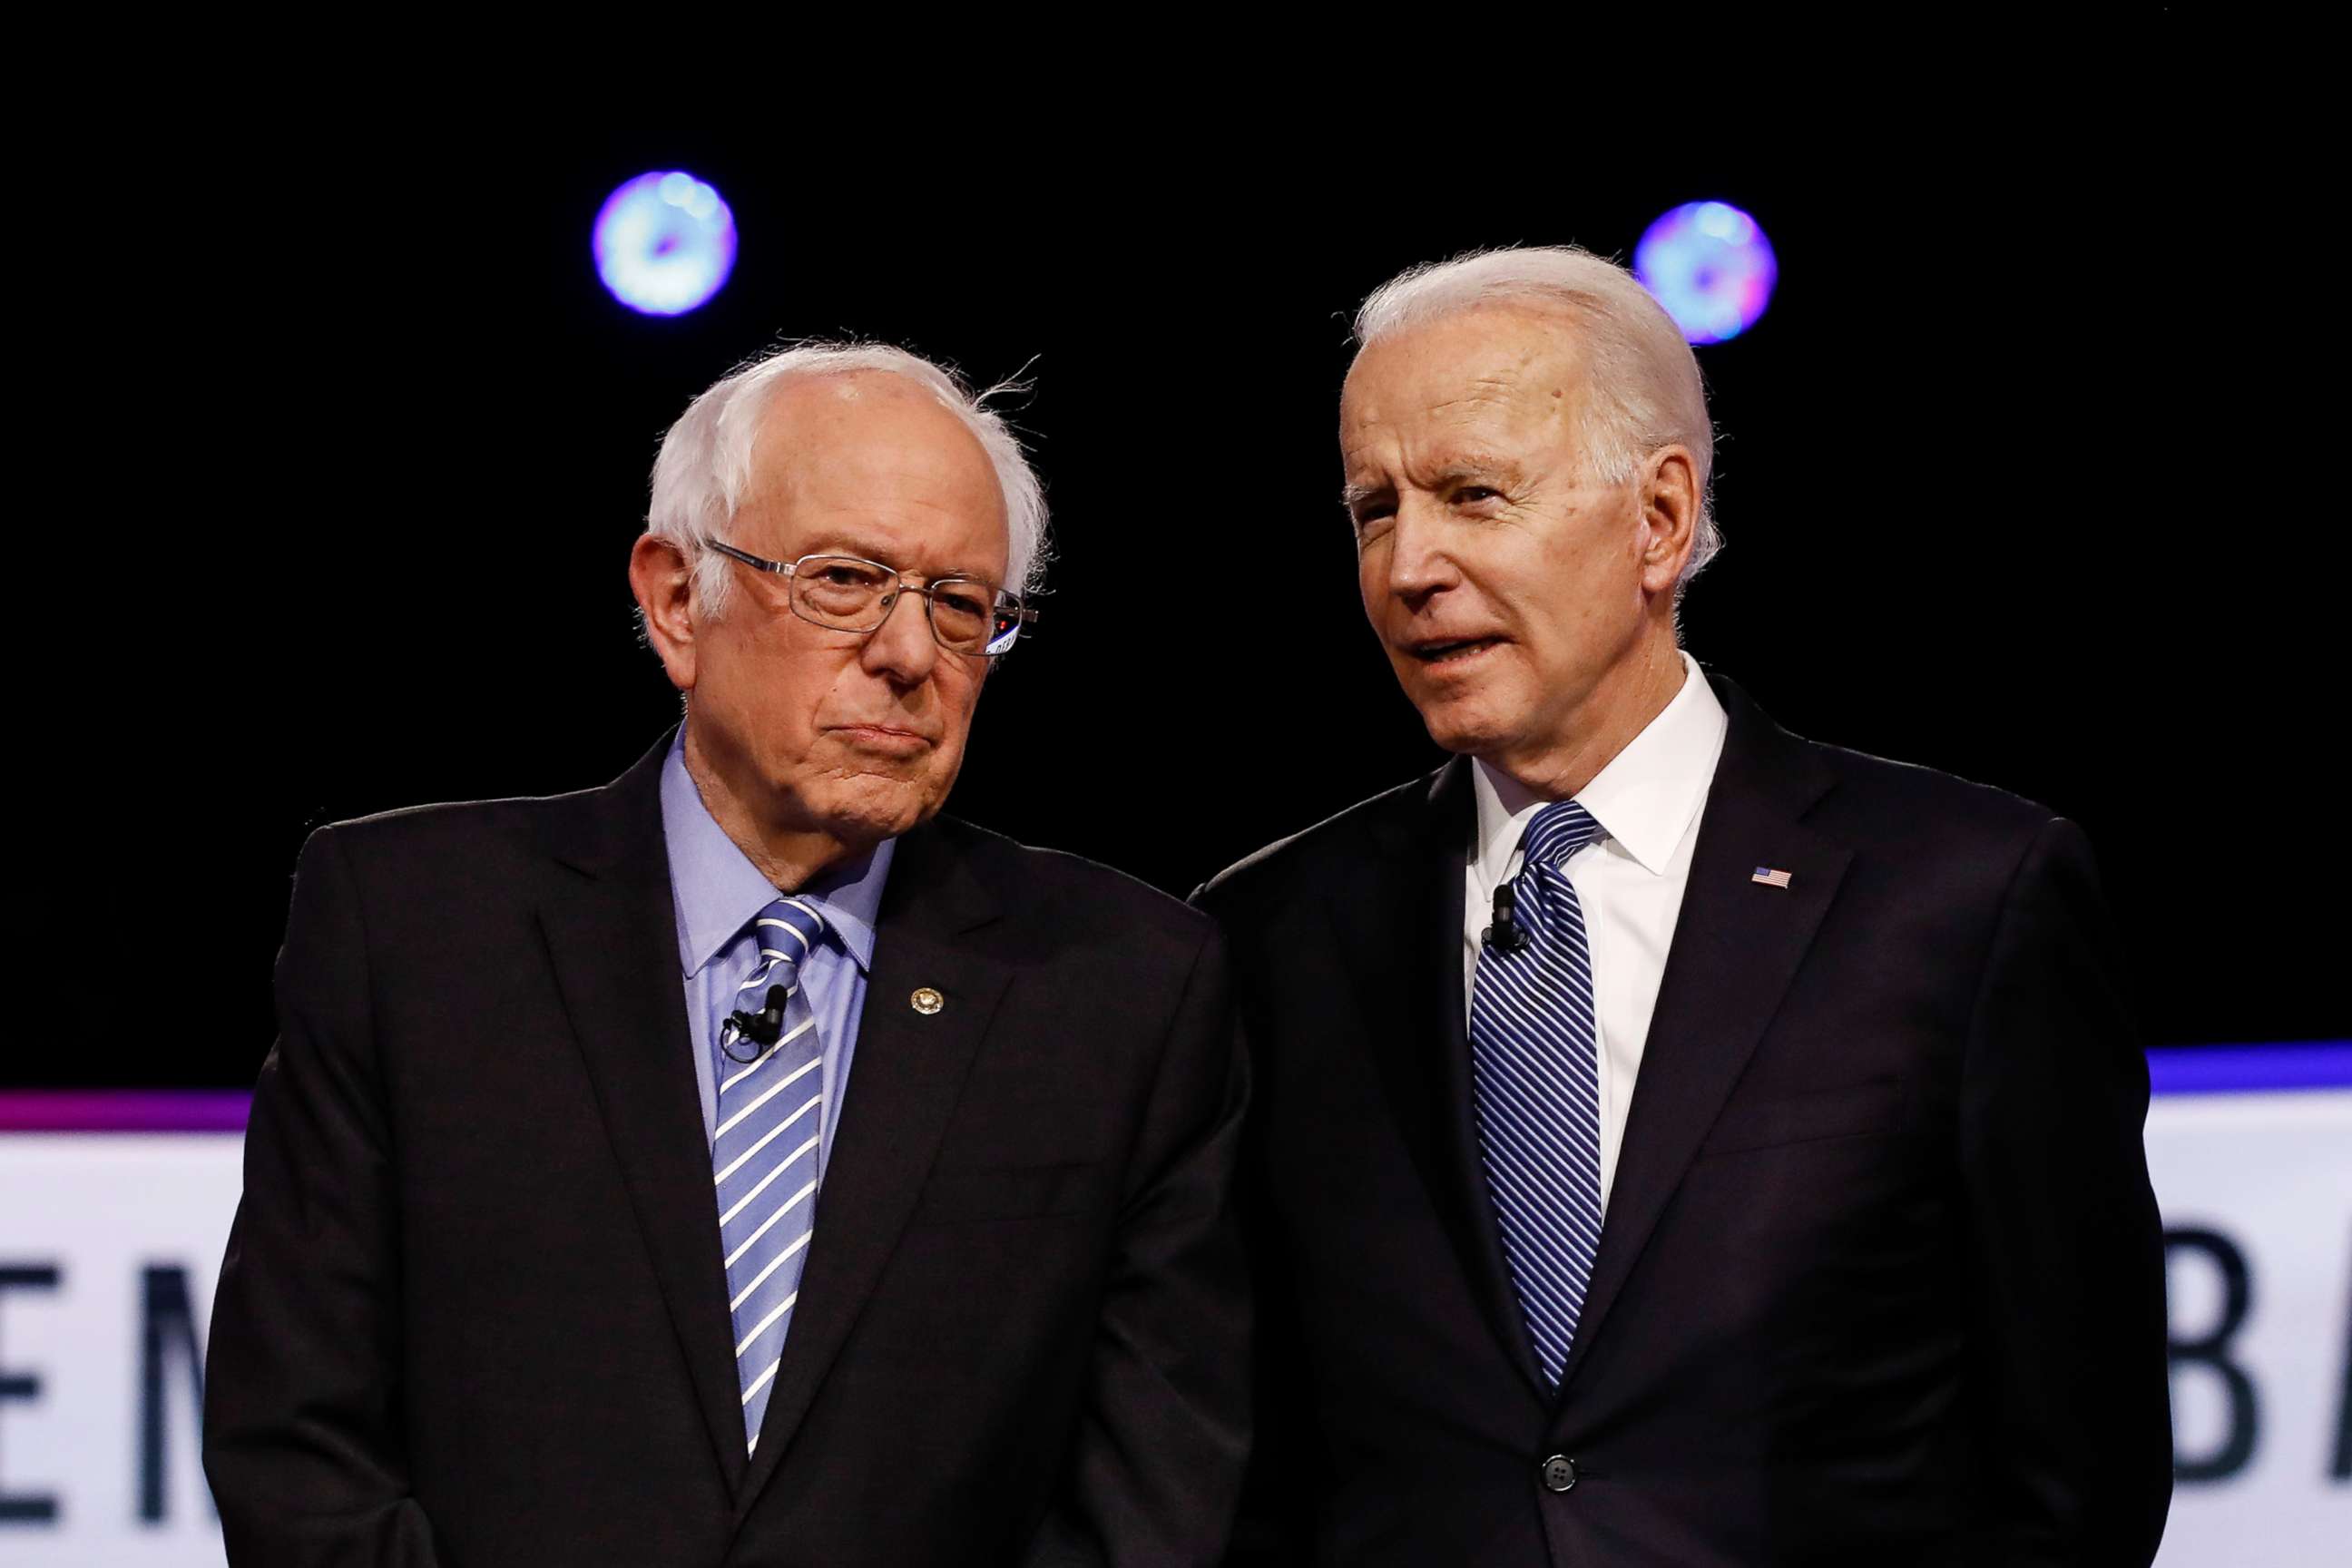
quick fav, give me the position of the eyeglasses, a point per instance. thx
(845, 593)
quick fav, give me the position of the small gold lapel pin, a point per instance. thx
(1770, 877)
(926, 1001)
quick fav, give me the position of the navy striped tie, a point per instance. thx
(764, 1151)
(1536, 1079)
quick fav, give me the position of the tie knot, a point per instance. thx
(786, 930)
(1559, 831)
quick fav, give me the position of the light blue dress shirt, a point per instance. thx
(717, 892)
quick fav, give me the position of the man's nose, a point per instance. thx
(1420, 561)
(902, 649)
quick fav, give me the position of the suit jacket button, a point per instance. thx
(1560, 1474)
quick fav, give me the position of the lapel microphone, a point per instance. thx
(763, 1028)
(1505, 935)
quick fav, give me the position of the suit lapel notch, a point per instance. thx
(612, 941)
(1738, 943)
(1409, 983)
(929, 1001)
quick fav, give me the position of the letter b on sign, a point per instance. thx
(2205, 1350)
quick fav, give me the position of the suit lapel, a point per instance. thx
(1737, 946)
(1399, 925)
(905, 1079)
(611, 937)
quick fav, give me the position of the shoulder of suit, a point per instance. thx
(1907, 799)
(492, 852)
(1056, 878)
(459, 823)
(1874, 798)
(466, 831)
(1305, 856)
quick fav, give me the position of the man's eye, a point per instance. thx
(1472, 494)
(963, 602)
(1369, 514)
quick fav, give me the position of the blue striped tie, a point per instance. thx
(1536, 1077)
(771, 1117)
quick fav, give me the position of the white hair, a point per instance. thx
(1643, 387)
(704, 472)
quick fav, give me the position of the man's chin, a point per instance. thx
(867, 808)
(1459, 729)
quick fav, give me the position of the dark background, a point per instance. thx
(368, 446)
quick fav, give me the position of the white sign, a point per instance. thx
(2256, 1191)
(109, 1245)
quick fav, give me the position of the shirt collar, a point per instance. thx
(717, 891)
(1645, 799)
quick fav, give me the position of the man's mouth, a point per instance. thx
(1451, 650)
(884, 737)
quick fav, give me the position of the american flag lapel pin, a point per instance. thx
(1770, 877)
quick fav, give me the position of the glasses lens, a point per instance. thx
(841, 591)
(964, 614)
(1003, 626)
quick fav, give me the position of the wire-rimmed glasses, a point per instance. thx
(848, 594)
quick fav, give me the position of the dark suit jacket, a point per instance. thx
(1881, 1280)
(474, 1311)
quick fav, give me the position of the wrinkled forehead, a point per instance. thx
(1496, 372)
(863, 424)
(837, 449)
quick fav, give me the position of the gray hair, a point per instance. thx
(1643, 388)
(704, 471)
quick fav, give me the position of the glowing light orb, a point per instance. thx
(665, 243)
(1711, 267)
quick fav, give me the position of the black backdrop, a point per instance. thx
(358, 504)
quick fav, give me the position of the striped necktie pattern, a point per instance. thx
(764, 1151)
(1536, 1082)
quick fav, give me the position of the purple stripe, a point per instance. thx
(2250, 1069)
(2172, 1069)
(124, 1111)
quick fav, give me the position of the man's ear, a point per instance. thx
(663, 580)
(1669, 517)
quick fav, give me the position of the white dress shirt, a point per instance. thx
(1629, 881)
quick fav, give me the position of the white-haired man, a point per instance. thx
(1681, 1143)
(570, 1235)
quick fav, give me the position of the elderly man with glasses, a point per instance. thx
(742, 1162)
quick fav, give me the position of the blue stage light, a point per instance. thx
(1711, 267)
(664, 243)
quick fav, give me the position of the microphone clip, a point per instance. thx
(1505, 935)
(763, 1028)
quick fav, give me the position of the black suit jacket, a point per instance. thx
(1881, 1278)
(474, 1311)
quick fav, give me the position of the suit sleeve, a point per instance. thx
(2068, 1374)
(1273, 1523)
(1154, 1472)
(302, 1438)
